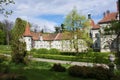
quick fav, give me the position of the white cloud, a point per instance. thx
(30, 9)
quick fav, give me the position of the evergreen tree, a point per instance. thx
(18, 48)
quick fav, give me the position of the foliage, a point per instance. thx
(68, 53)
(54, 51)
(97, 72)
(18, 48)
(58, 68)
(6, 27)
(33, 50)
(2, 37)
(4, 11)
(77, 27)
(42, 51)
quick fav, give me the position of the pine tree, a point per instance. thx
(18, 48)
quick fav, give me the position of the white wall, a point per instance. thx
(28, 41)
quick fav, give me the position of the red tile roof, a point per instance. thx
(109, 17)
(27, 30)
(35, 36)
(49, 36)
(93, 25)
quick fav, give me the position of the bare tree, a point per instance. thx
(7, 28)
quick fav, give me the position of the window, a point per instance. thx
(96, 45)
(29, 39)
(96, 35)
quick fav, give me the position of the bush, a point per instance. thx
(90, 50)
(54, 51)
(97, 72)
(80, 71)
(58, 68)
(68, 53)
(42, 51)
(101, 73)
(33, 50)
(101, 58)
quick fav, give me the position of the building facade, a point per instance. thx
(101, 41)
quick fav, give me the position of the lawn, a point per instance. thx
(5, 49)
(41, 71)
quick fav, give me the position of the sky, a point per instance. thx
(50, 13)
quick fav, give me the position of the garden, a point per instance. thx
(34, 70)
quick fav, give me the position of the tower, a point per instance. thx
(28, 37)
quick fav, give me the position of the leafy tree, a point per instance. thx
(115, 29)
(18, 47)
(4, 3)
(77, 26)
(2, 37)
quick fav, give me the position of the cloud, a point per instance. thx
(31, 9)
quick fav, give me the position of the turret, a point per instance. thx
(28, 37)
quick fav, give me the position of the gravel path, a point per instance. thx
(68, 62)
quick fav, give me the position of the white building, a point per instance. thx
(101, 42)
(39, 40)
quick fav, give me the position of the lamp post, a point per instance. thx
(112, 65)
(112, 58)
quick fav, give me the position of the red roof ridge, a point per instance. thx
(57, 36)
(27, 30)
(109, 17)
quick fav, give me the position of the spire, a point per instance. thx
(89, 16)
(27, 30)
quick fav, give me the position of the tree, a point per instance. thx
(77, 26)
(18, 47)
(115, 29)
(2, 37)
(7, 29)
(4, 11)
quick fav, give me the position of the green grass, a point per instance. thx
(5, 49)
(41, 71)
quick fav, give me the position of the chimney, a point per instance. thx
(89, 16)
(107, 12)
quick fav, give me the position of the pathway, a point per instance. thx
(68, 62)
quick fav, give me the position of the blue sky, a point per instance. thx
(52, 13)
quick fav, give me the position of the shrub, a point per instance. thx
(58, 68)
(90, 50)
(54, 51)
(33, 50)
(101, 73)
(68, 53)
(80, 71)
(43, 51)
(97, 72)
(101, 58)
